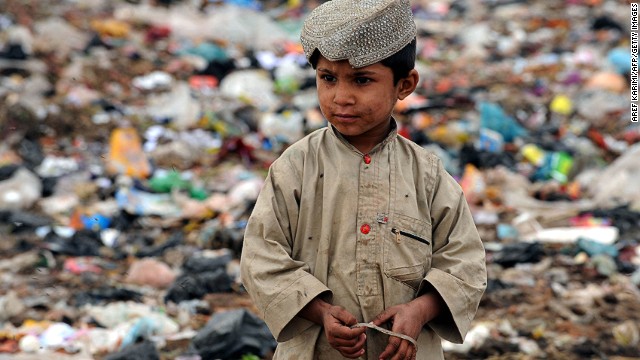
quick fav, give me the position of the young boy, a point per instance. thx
(356, 224)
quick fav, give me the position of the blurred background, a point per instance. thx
(135, 137)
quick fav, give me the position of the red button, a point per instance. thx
(367, 159)
(365, 229)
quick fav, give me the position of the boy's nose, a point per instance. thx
(343, 95)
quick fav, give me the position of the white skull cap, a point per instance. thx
(361, 31)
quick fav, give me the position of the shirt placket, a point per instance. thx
(367, 248)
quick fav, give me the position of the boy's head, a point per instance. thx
(364, 56)
(363, 32)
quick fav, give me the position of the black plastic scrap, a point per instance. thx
(202, 275)
(144, 350)
(232, 334)
(519, 253)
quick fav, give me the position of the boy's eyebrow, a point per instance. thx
(357, 73)
(365, 73)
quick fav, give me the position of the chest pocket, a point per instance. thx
(407, 249)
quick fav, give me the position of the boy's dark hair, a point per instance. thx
(400, 63)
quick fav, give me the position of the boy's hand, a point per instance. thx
(337, 322)
(407, 319)
(349, 342)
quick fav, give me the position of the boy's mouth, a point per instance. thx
(344, 117)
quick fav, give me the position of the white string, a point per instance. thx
(390, 333)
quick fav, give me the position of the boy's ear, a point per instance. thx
(408, 84)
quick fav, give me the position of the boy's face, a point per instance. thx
(359, 102)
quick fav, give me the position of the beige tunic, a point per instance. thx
(368, 231)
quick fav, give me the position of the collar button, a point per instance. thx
(367, 159)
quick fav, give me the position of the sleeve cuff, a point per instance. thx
(455, 319)
(281, 313)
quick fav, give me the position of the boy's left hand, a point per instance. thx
(407, 319)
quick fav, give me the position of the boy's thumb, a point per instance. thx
(344, 316)
(382, 318)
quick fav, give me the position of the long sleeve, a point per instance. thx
(279, 285)
(458, 268)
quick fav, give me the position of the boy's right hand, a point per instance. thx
(349, 342)
(337, 322)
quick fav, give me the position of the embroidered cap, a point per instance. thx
(361, 31)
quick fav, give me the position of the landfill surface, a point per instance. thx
(135, 136)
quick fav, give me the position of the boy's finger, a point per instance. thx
(402, 352)
(345, 332)
(361, 340)
(353, 355)
(355, 350)
(391, 349)
(383, 317)
(344, 343)
(411, 351)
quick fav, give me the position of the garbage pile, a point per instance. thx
(135, 137)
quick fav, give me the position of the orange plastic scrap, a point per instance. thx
(422, 120)
(606, 80)
(293, 47)
(75, 220)
(9, 346)
(574, 190)
(126, 155)
(473, 184)
(410, 101)
(201, 82)
(111, 27)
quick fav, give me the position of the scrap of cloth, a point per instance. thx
(385, 331)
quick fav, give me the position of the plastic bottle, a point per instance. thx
(126, 155)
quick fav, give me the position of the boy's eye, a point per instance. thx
(362, 80)
(329, 78)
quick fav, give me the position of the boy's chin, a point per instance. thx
(348, 130)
